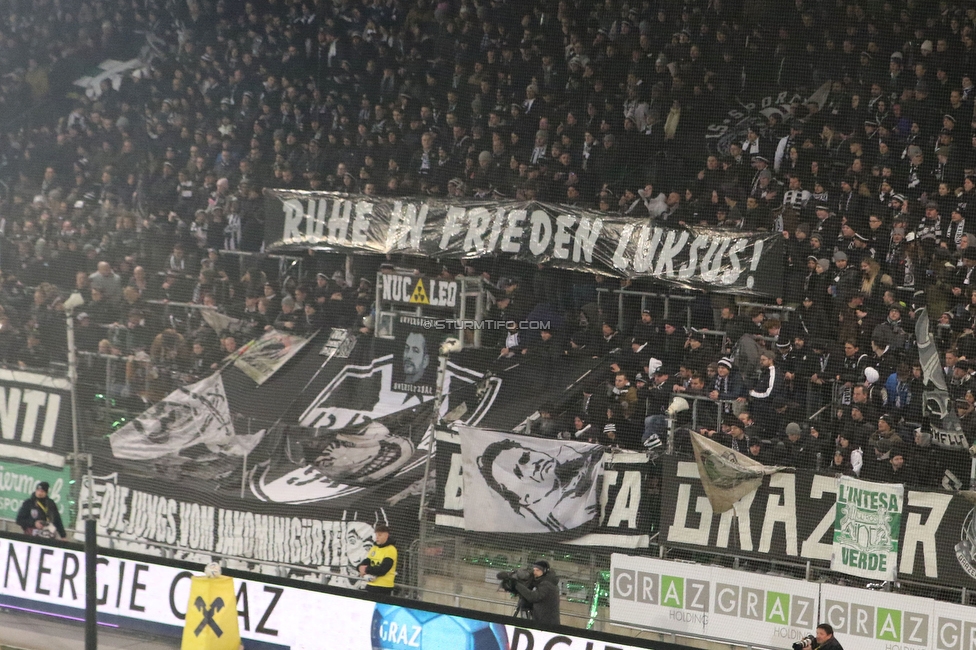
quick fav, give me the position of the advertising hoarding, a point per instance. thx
(751, 609)
(875, 620)
(138, 593)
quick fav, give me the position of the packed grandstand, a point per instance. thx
(233, 189)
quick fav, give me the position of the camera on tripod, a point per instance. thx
(809, 641)
(510, 578)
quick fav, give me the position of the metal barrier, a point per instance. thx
(287, 264)
(724, 344)
(644, 295)
(116, 387)
(170, 308)
(784, 311)
(699, 419)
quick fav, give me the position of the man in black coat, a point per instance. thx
(38, 511)
(795, 451)
(541, 594)
(825, 638)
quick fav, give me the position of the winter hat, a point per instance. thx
(824, 264)
(793, 429)
(725, 361)
(542, 564)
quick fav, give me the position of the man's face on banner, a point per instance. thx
(415, 358)
(534, 469)
(359, 539)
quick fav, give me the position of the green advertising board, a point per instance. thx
(17, 483)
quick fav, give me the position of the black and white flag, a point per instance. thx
(528, 485)
(189, 416)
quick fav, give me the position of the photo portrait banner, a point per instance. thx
(415, 362)
(546, 234)
(528, 485)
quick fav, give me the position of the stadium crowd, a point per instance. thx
(134, 193)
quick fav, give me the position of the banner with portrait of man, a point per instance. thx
(415, 358)
(528, 485)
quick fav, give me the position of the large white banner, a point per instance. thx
(866, 528)
(150, 597)
(754, 610)
(261, 358)
(190, 415)
(528, 485)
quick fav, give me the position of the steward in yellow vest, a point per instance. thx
(380, 563)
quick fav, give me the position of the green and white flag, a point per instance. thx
(866, 525)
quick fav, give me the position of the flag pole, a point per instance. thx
(91, 584)
(438, 400)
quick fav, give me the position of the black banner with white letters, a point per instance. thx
(552, 235)
(626, 507)
(791, 517)
(35, 417)
(149, 512)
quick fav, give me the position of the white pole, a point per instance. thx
(244, 475)
(438, 400)
(73, 380)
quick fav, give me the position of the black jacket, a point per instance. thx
(542, 597)
(33, 510)
(831, 644)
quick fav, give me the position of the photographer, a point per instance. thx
(825, 638)
(541, 593)
(39, 516)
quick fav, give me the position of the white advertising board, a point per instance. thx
(152, 597)
(736, 606)
(877, 620)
